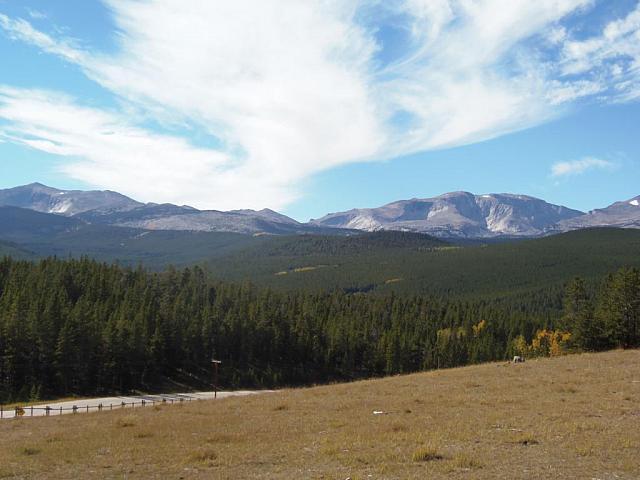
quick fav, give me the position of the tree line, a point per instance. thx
(83, 327)
(607, 318)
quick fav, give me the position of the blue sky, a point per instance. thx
(315, 107)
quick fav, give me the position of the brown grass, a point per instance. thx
(571, 417)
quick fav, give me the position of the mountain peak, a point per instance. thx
(460, 213)
(42, 198)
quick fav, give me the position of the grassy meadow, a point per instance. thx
(576, 416)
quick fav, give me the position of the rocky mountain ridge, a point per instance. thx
(459, 214)
(451, 215)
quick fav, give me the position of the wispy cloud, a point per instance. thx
(291, 88)
(578, 167)
(107, 150)
(22, 30)
(612, 56)
(36, 14)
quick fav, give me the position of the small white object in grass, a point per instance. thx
(379, 412)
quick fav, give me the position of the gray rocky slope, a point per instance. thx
(111, 208)
(456, 214)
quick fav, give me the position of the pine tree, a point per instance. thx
(578, 316)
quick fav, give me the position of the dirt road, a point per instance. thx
(113, 403)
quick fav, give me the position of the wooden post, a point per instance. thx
(215, 377)
(31, 411)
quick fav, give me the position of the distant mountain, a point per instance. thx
(18, 224)
(171, 217)
(624, 214)
(112, 208)
(45, 199)
(30, 234)
(458, 214)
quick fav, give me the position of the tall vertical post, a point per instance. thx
(215, 377)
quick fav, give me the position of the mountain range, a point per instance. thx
(452, 215)
(458, 214)
(112, 208)
(462, 214)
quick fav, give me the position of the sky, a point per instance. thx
(323, 105)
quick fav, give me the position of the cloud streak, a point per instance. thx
(578, 167)
(22, 30)
(105, 149)
(288, 89)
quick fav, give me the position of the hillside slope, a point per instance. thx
(45, 234)
(414, 264)
(8, 249)
(569, 417)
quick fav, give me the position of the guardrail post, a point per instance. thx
(1, 412)
(60, 410)
(31, 411)
(47, 410)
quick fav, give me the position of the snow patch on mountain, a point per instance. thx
(62, 207)
(364, 222)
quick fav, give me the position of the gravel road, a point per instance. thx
(113, 403)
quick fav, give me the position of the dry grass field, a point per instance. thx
(571, 417)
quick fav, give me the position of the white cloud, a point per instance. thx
(107, 151)
(578, 167)
(291, 88)
(36, 14)
(613, 56)
(22, 30)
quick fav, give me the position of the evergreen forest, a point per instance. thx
(82, 327)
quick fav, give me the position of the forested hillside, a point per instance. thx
(416, 264)
(8, 249)
(45, 235)
(82, 327)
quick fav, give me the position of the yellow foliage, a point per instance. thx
(444, 335)
(479, 327)
(545, 343)
(520, 346)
